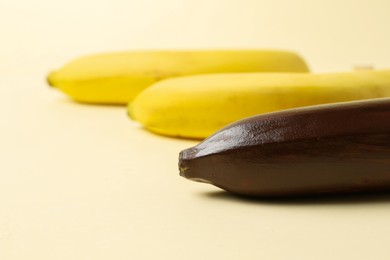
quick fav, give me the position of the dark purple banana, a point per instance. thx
(325, 149)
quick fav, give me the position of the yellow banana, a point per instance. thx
(116, 78)
(197, 106)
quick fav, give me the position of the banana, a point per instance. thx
(116, 78)
(323, 149)
(197, 106)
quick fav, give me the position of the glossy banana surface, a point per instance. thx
(317, 150)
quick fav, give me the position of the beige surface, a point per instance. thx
(84, 182)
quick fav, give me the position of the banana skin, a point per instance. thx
(116, 78)
(316, 150)
(197, 106)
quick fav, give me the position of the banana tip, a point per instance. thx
(130, 112)
(49, 79)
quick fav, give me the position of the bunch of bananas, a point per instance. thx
(192, 94)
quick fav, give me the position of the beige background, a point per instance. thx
(84, 182)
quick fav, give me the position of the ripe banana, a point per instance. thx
(197, 106)
(116, 78)
(323, 149)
